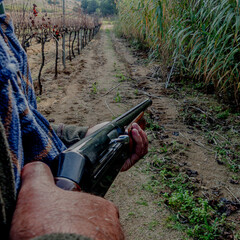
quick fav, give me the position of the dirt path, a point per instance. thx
(105, 81)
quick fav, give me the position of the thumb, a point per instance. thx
(36, 173)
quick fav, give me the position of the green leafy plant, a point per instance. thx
(223, 115)
(118, 97)
(38, 99)
(121, 77)
(94, 88)
(151, 124)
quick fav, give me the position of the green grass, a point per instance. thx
(142, 202)
(153, 224)
(131, 214)
(107, 31)
(192, 214)
(151, 124)
(190, 211)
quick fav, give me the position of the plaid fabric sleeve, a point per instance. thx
(29, 134)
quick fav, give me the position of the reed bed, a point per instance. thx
(201, 35)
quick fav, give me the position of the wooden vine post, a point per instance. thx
(43, 40)
(63, 37)
(74, 38)
(69, 45)
(56, 35)
(78, 41)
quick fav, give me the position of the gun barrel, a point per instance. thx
(130, 115)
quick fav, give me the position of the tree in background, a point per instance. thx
(102, 7)
(92, 6)
(84, 5)
(52, 2)
(108, 7)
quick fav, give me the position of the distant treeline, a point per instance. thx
(101, 7)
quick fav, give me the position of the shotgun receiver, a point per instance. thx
(92, 164)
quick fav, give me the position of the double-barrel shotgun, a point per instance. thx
(92, 164)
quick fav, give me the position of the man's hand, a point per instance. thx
(43, 208)
(140, 144)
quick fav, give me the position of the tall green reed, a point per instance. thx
(206, 42)
(203, 35)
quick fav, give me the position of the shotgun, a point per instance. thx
(92, 164)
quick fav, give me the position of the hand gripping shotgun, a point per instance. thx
(92, 164)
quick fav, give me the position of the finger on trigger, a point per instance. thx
(136, 135)
(144, 136)
(144, 140)
(139, 141)
(136, 126)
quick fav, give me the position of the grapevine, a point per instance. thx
(33, 26)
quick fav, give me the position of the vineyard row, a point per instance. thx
(77, 30)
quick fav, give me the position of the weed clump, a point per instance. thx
(200, 218)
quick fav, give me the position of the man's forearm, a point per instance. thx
(69, 134)
(62, 236)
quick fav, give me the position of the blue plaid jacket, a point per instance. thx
(29, 134)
